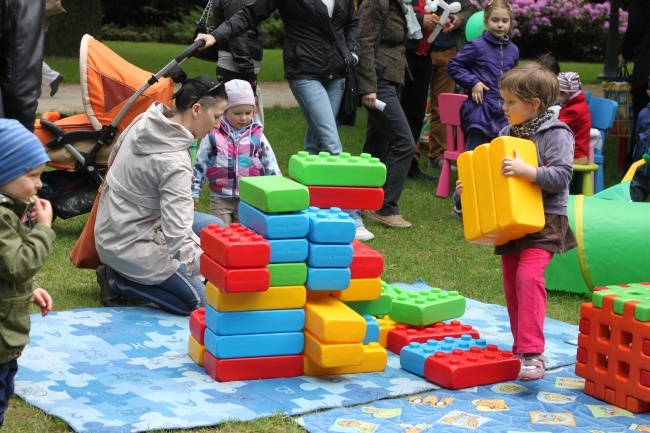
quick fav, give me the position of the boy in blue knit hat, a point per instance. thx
(26, 239)
(640, 185)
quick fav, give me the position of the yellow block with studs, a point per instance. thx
(360, 289)
(196, 350)
(275, 298)
(332, 354)
(333, 322)
(375, 359)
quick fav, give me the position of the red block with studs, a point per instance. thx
(197, 324)
(235, 280)
(366, 262)
(473, 367)
(235, 246)
(402, 335)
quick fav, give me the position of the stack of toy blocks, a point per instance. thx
(614, 346)
(344, 285)
(253, 329)
(498, 208)
(344, 181)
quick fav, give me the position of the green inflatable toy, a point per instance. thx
(475, 27)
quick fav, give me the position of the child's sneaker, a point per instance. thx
(533, 367)
(363, 234)
(457, 213)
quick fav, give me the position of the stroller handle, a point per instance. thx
(189, 51)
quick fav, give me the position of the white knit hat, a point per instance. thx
(239, 92)
(569, 82)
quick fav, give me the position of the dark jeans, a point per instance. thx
(640, 184)
(7, 373)
(414, 98)
(389, 138)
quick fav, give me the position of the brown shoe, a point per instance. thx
(388, 220)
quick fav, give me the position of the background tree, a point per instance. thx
(66, 30)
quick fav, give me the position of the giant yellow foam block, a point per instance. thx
(375, 358)
(385, 325)
(333, 322)
(360, 289)
(275, 298)
(332, 354)
(196, 350)
(498, 208)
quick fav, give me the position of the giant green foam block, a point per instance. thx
(287, 274)
(424, 307)
(340, 170)
(274, 193)
(612, 247)
(377, 307)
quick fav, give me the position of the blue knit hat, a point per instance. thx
(20, 150)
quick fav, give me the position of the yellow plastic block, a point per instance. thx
(374, 359)
(333, 322)
(360, 289)
(332, 354)
(498, 208)
(275, 298)
(385, 325)
(196, 350)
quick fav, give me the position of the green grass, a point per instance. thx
(434, 249)
(153, 57)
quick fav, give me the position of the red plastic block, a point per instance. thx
(264, 367)
(473, 367)
(346, 197)
(197, 324)
(366, 262)
(646, 347)
(613, 355)
(235, 280)
(235, 246)
(584, 326)
(402, 335)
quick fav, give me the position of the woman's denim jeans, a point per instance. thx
(178, 294)
(320, 103)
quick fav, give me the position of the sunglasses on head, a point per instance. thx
(207, 92)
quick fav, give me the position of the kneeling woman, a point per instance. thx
(146, 229)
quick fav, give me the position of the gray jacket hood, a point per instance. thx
(158, 134)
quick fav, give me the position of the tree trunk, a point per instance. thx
(64, 31)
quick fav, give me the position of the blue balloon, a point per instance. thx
(475, 27)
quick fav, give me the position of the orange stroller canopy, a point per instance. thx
(108, 81)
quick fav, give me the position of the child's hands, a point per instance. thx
(43, 300)
(477, 92)
(42, 212)
(518, 167)
(459, 186)
(196, 204)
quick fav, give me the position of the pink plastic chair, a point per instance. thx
(449, 104)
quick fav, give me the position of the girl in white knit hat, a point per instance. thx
(236, 149)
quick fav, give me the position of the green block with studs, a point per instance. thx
(337, 170)
(287, 274)
(424, 307)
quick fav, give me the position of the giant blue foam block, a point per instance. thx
(289, 250)
(248, 346)
(327, 278)
(289, 225)
(413, 356)
(330, 226)
(372, 331)
(254, 322)
(329, 255)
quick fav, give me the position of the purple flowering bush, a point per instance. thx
(573, 30)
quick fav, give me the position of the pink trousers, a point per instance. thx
(525, 291)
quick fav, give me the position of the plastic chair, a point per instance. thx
(587, 95)
(603, 112)
(449, 104)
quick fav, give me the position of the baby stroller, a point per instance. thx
(78, 146)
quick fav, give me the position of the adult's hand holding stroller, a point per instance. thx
(207, 38)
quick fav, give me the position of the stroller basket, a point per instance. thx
(71, 193)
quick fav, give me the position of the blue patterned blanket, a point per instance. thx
(127, 370)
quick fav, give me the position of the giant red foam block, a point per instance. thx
(235, 280)
(403, 335)
(197, 324)
(235, 246)
(473, 367)
(264, 367)
(346, 197)
(366, 262)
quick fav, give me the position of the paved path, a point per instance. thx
(68, 98)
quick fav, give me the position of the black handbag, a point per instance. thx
(347, 114)
(210, 54)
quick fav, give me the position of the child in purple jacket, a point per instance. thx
(478, 67)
